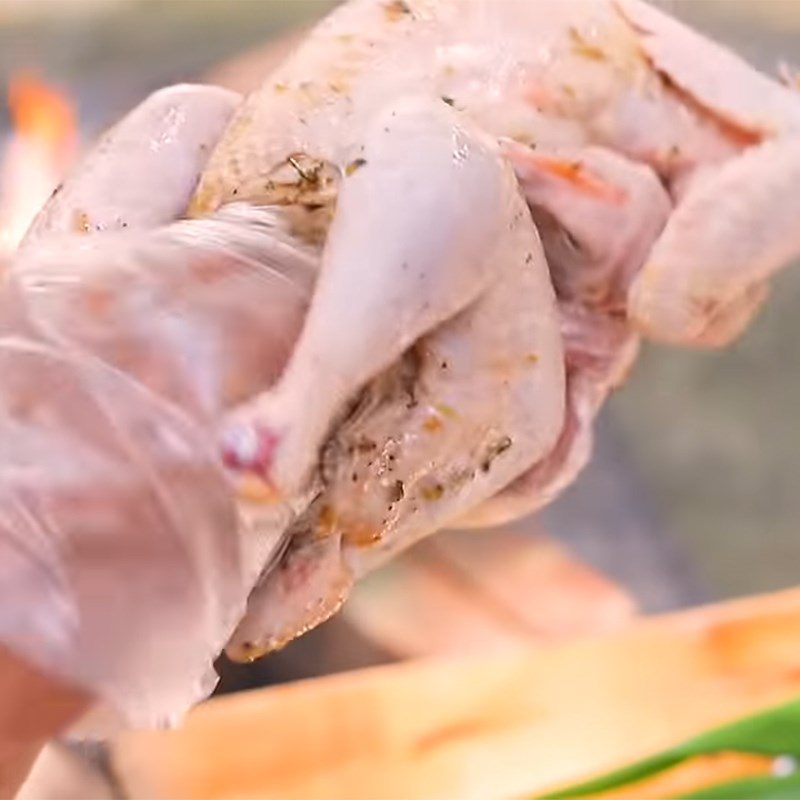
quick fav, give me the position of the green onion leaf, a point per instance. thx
(775, 732)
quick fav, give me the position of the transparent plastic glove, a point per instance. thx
(124, 561)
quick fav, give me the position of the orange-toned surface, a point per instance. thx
(481, 727)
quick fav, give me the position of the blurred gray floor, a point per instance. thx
(694, 491)
(112, 58)
(609, 519)
(715, 437)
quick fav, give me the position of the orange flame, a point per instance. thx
(42, 146)
(40, 112)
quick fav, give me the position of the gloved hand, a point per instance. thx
(124, 561)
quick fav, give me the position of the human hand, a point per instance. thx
(124, 560)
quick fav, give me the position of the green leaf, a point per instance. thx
(773, 732)
(620, 777)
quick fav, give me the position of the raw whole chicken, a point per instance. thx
(429, 386)
(421, 255)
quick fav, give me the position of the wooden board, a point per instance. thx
(476, 592)
(495, 726)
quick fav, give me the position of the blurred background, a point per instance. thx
(694, 490)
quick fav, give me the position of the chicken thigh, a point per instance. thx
(459, 388)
